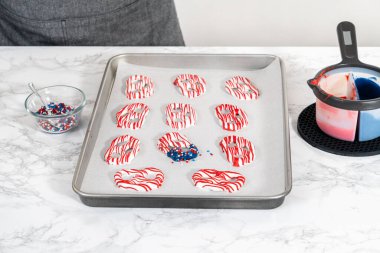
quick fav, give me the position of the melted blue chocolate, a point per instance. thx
(367, 88)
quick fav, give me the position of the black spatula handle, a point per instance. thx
(347, 42)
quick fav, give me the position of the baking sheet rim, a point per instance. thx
(112, 64)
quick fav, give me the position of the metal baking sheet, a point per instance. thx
(268, 178)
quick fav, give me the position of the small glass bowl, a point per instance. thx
(56, 124)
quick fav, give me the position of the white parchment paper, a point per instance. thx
(264, 177)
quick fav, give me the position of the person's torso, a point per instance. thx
(61, 9)
(89, 23)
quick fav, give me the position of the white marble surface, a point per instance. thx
(334, 205)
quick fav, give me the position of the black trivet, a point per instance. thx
(310, 132)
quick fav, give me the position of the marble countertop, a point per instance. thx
(333, 206)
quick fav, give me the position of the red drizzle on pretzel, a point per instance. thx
(190, 85)
(132, 116)
(122, 150)
(238, 150)
(172, 140)
(242, 88)
(138, 87)
(179, 116)
(231, 117)
(215, 180)
(144, 180)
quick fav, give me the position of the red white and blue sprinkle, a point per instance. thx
(57, 125)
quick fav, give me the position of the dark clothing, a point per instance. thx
(89, 23)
